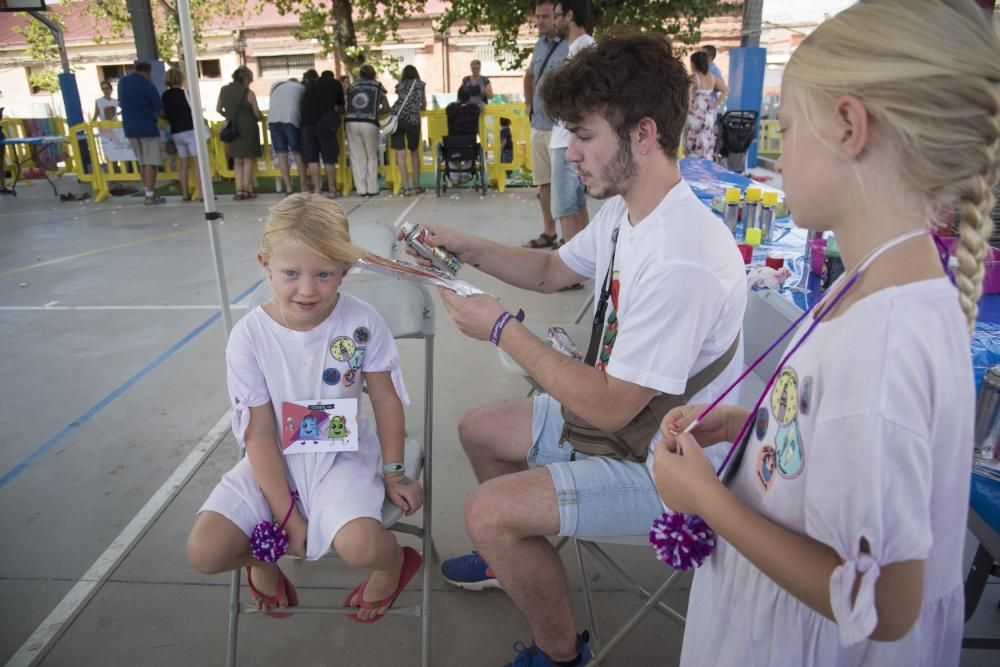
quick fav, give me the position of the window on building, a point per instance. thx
(209, 69)
(283, 66)
(402, 56)
(113, 72)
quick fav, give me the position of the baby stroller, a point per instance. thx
(457, 157)
(734, 132)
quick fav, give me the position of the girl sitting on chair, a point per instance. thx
(311, 346)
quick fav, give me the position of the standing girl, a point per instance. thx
(841, 528)
(310, 343)
(410, 101)
(700, 131)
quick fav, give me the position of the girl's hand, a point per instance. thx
(405, 493)
(297, 529)
(719, 425)
(684, 478)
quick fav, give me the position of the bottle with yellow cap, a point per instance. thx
(751, 202)
(767, 211)
(731, 212)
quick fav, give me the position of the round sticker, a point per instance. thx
(765, 466)
(805, 395)
(784, 397)
(361, 335)
(331, 376)
(349, 377)
(760, 426)
(788, 453)
(342, 348)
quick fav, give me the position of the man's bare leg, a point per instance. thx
(545, 201)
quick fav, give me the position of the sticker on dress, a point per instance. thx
(784, 397)
(361, 335)
(805, 394)
(789, 451)
(342, 348)
(349, 377)
(338, 427)
(357, 359)
(760, 425)
(765, 466)
(331, 376)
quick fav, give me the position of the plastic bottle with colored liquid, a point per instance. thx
(731, 212)
(833, 264)
(751, 203)
(767, 210)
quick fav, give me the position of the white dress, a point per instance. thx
(866, 434)
(269, 363)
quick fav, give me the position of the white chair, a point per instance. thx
(408, 311)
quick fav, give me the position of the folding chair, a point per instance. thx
(408, 311)
(652, 600)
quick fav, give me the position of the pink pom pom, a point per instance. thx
(680, 540)
(268, 542)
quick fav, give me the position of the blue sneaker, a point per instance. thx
(469, 572)
(533, 656)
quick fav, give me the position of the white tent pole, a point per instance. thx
(212, 217)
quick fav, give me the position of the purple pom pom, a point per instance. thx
(680, 540)
(268, 542)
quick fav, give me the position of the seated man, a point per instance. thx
(463, 126)
(671, 291)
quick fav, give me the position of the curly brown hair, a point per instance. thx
(626, 77)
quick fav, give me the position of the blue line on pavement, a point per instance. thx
(16, 471)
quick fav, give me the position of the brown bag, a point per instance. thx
(632, 441)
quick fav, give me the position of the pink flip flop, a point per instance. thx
(285, 589)
(411, 565)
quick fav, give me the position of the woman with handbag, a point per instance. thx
(411, 101)
(366, 100)
(239, 106)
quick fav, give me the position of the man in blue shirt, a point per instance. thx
(549, 53)
(140, 104)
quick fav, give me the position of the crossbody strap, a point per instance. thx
(545, 62)
(602, 305)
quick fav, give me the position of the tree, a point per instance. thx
(42, 48)
(335, 24)
(114, 13)
(680, 20)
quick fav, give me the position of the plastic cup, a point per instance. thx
(774, 262)
(746, 251)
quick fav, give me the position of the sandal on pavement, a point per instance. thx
(411, 565)
(406, 192)
(284, 589)
(239, 196)
(420, 191)
(543, 241)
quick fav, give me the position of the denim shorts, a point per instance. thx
(568, 195)
(284, 137)
(597, 496)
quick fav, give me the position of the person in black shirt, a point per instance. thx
(463, 116)
(322, 106)
(177, 111)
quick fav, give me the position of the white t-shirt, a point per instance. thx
(867, 433)
(681, 293)
(284, 102)
(560, 135)
(107, 109)
(269, 363)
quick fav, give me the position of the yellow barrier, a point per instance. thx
(98, 183)
(769, 139)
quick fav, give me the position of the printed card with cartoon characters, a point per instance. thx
(319, 426)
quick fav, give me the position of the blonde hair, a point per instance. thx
(174, 77)
(314, 222)
(928, 72)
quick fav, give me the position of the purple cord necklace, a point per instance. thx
(685, 540)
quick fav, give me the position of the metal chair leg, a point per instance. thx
(587, 598)
(234, 617)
